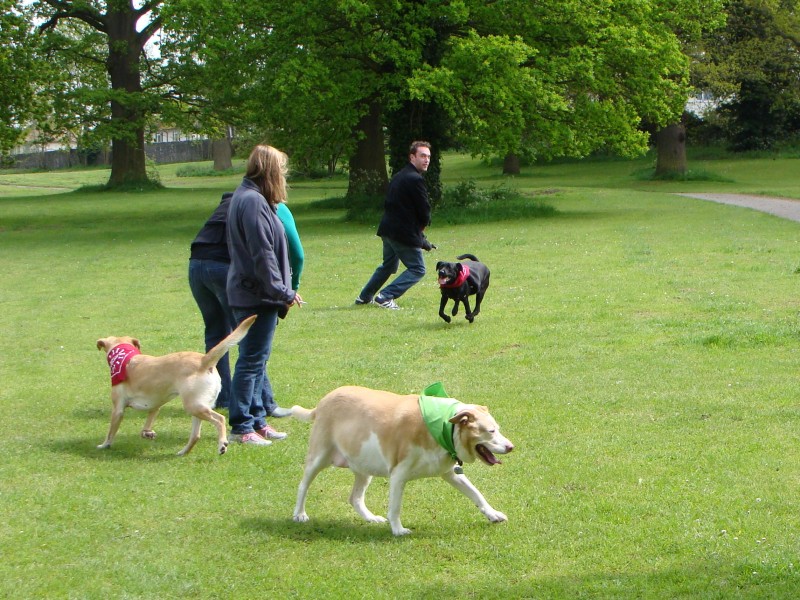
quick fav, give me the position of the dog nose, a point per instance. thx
(509, 448)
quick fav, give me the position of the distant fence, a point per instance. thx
(162, 153)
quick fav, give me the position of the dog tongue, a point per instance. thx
(486, 455)
(443, 280)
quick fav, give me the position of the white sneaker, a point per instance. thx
(390, 303)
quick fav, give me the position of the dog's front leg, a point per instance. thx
(397, 483)
(441, 309)
(117, 412)
(464, 485)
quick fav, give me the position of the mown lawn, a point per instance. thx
(639, 348)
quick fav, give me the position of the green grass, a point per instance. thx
(640, 349)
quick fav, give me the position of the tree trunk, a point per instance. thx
(222, 152)
(368, 163)
(511, 164)
(671, 151)
(128, 165)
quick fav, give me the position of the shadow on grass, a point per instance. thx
(125, 448)
(348, 530)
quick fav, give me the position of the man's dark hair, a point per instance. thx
(417, 145)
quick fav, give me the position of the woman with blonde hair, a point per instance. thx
(259, 283)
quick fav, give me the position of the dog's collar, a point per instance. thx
(459, 281)
(118, 359)
(437, 410)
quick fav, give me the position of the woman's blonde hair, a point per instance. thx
(267, 167)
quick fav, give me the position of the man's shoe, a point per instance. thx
(360, 301)
(390, 303)
(269, 433)
(252, 439)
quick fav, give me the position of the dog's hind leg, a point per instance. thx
(313, 467)
(147, 430)
(193, 436)
(464, 485)
(357, 498)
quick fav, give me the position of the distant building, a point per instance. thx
(701, 103)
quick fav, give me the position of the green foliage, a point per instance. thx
(751, 64)
(18, 68)
(205, 171)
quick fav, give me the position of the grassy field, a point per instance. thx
(639, 348)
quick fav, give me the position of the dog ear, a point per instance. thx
(439, 265)
(463, 417)
(135, 342)
(101, 344)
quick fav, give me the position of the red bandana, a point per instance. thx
(118, 360)
(462, 277)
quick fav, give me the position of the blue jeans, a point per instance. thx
(393, 254)
(251, 391)
(207, 280)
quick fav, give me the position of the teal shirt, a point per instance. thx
(296, 255)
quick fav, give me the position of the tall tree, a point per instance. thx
(18, 67)
(126, 28)
(506, 77)
(753, 64)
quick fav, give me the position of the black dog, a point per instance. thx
(458, 281)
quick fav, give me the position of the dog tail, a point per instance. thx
(302, 414)
(237, 335)
(469, 256)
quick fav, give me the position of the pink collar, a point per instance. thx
(118, 359)
(462, 277)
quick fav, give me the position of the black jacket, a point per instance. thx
(406, 211)
(211, 242)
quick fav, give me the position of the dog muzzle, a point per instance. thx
(118, 359)
(458, 281)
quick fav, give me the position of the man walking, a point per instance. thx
(406, 213)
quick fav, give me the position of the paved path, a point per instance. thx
(780, 207)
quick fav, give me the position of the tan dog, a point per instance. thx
(376, 433)
(148, 382)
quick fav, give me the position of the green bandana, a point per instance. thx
(437, 410)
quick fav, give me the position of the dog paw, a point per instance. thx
(495, 516)
(300, 518)
(400, 531)
(376, 519)
(104, 446)
(470, 318)
(223, 448)
(148, 434)
(446, 318)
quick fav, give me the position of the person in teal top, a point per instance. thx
(296, 254)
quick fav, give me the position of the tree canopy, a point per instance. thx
(546, 79)
(331, 79)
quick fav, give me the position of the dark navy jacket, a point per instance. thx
(211, 242)
(259, 274)
(406, 211)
